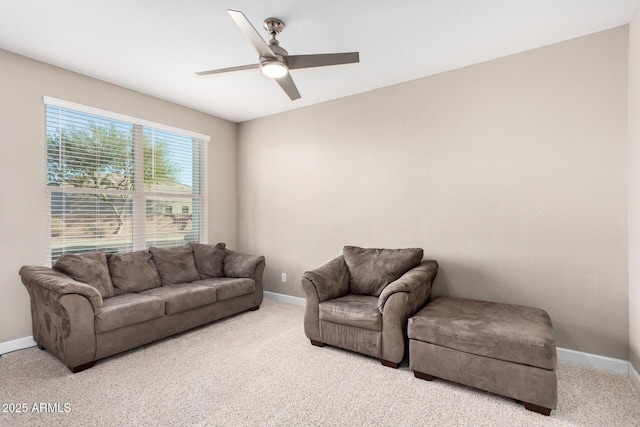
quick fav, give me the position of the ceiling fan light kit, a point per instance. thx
(273, 68)
(274, 61)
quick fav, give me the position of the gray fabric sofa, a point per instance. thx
(91, 306)
(361, 300)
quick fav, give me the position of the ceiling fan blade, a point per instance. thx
(251, 34)
(322, 60)
(287, 84)
(228, 70)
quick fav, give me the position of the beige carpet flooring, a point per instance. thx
(258, 368)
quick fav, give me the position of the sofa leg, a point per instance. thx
(82, 367)
(254, 308)
(317, 343)
(536, 408)
(423, 376)
(389, 363)
(41, 347)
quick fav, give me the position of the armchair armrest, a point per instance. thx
(400, 300)
(417, 281)
(330, 281)
(322, 284)
(238, 264)
(59, 284)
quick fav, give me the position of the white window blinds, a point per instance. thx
(118, 183)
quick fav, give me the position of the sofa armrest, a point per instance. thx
(417, 281)
(331, 280)
(239, 264)
(63, 315)
(59, 284)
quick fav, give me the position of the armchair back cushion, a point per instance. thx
(175, 265)
(372, 269)
(132, 272)
(90, 268)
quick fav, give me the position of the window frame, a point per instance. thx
(139, 196)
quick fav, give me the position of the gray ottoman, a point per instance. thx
(502, 348)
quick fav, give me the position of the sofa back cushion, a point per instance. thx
(209, 259)
(132, 272)
(90, 268)
(372, 269)
(175, 265)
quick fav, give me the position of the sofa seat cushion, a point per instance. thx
(132, 272)
(183, 296)
(360, 311)
(513, 333)
(127, 309)
(227, 287)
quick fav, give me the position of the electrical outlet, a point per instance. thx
(284, 277)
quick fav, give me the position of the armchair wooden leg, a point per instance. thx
(82, 367)
(388, 363)
(423, 376)
(536, 408)
(317, 343)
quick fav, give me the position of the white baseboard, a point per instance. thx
(634, 377)
(19, 344)
(609, 364)
(285, 298)
(617, 366)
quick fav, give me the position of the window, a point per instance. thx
(113, 182)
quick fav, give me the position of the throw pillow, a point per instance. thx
(132, 272)
(175, 265)
(90, 268)
(372, 269)
(209, 259)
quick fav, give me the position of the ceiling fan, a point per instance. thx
(275, 62)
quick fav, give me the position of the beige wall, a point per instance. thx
(511, 173)
(634, 193)
(23, 82)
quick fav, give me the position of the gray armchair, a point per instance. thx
(361, 300)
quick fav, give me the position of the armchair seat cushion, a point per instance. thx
(183, 296)
(360, 311)
(127, 309)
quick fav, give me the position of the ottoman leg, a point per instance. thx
(536, 408)
(423, 376)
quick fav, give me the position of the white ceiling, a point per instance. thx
(155, 46)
